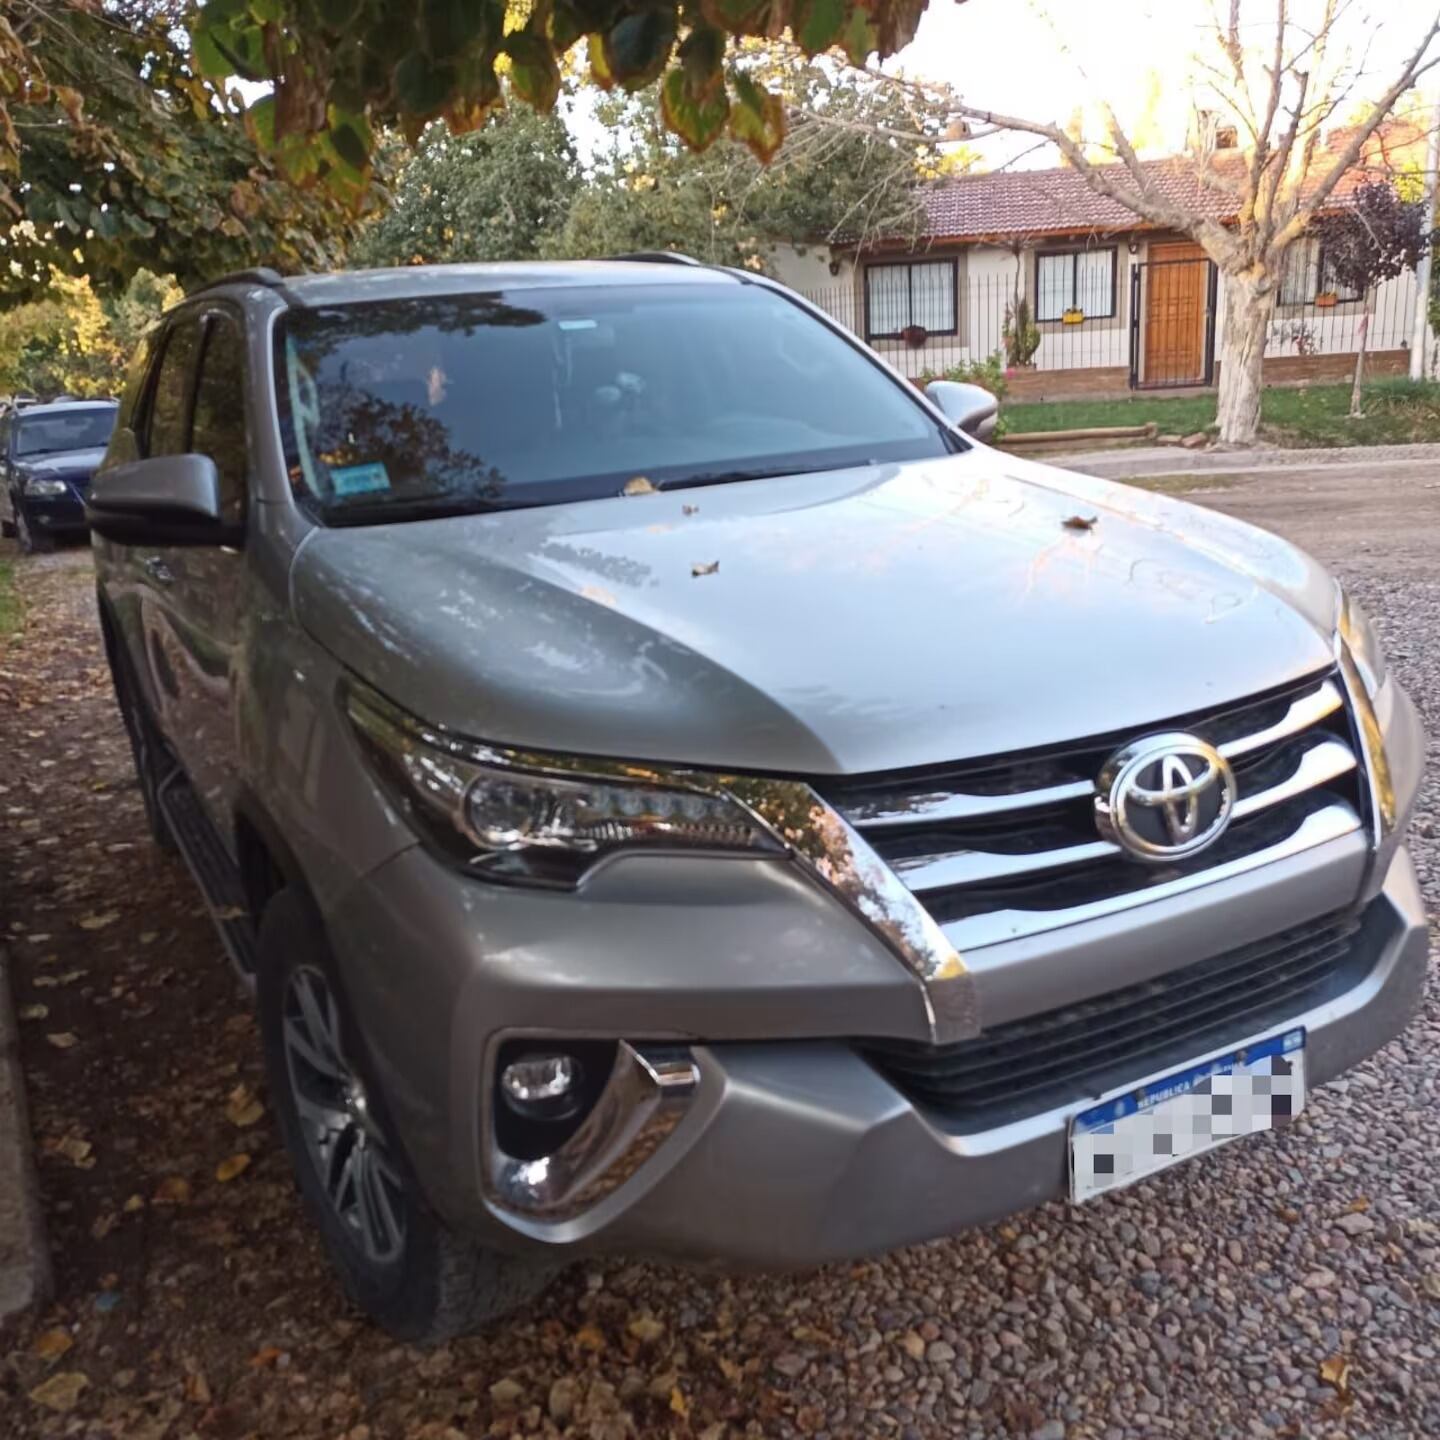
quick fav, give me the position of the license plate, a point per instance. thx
(1132, 1135)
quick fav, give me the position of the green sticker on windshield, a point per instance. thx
(359, 479)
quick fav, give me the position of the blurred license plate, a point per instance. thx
(1127, 1137)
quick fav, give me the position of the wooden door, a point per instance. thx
(1176, 290)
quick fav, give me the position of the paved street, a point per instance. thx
(1289, 1287)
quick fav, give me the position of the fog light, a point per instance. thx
(542, 1087)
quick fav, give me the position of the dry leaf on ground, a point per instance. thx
(61, 1390)
(52, 1344)
(1336, 1371)
(99, 922)
(63, 1040)
(235, 1165)
(172, 1190)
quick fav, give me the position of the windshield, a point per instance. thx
(397, 409)
(79, 429)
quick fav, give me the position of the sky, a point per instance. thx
(1042, 61)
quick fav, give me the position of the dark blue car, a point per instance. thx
(47, 456)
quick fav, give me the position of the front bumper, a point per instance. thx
(57, 515)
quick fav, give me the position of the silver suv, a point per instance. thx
(674, 790)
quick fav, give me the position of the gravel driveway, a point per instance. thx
(1288, 1287)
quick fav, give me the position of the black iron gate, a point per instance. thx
(1172, 323)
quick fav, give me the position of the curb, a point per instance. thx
(25, 1278)
(1172, 460)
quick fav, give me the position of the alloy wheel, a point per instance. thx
(341, 1136)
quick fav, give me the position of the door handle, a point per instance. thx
(159, 571)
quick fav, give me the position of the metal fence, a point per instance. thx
(1163, 327)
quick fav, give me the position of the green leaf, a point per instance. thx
(352, 139)
(698, 122)
(266, 12)
(637, 48)
(860, 36)
(757, 118)
(739, 17)
(209, 59)
(260, 121)
(702, 54)
(422, 86)
(818, 24)
(449, 26)
(533, 72)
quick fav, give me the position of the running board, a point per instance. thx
(214, 871)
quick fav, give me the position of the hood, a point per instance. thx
(63, 464)
(869, 619)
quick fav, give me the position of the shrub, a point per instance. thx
(988, 374)
(1022, 339)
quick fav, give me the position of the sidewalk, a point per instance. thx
(1154, 460)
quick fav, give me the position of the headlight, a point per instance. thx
(543, 820)
(46, 487)
(1359, 637)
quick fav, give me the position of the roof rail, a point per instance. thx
(661, 257)
(256, 275)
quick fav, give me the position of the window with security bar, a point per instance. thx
(910, 293)
(1075, 280)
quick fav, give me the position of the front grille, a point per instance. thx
(1030, 1065)
(1008, 846)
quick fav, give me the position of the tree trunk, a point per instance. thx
(1356, 413)
(1249, 301)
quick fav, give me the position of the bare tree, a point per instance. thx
(1285, 93)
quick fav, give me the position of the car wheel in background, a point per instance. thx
(30, 542)
(397, 1260)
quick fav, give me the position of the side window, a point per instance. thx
(219, 425)
(168, 432)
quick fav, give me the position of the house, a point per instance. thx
(1115, 303)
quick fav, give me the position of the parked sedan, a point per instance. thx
(48, 454)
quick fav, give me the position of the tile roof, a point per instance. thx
(1017, 203)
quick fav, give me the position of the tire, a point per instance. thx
(30, 542)
(396, 1259)
(148, 750)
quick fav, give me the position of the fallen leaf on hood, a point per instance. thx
(235, 1165)
(172, 1190)
(63, 1040)
(1080, 522)
(242, 1108)
(639, 485)
(689, 509)
(1336, 1371)
(708, 567)
(61, 1390)
(52, 1344)
(99, 922)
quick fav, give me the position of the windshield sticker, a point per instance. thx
(359, 479)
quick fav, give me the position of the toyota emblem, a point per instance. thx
(1165, 797)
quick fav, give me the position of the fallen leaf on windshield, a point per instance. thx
(235, 1165)
(639, 485)
(708, 567)
(1336, 1371)
(689, 509)
(1080, 522)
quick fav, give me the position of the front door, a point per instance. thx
(1177, 286)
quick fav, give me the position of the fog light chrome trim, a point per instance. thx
(642, 1102)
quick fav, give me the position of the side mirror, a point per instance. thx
(966, 407)
(165, 500)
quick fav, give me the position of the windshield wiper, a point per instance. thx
(395, 512)
(726, 477)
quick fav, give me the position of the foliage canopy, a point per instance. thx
(340, 68)
(115, 156)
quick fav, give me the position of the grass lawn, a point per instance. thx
(1397, 411)
(9, 600)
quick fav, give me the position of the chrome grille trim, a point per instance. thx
(1026, 857)
(1304, 713)
(975, 932)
